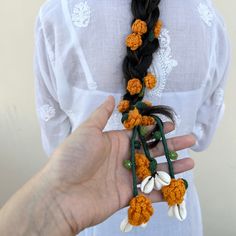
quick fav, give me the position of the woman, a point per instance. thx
(80, 49)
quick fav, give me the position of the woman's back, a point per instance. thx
(79, 53)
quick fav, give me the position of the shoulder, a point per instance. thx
(220, 33)
(49, 18)
(214, 24)
(50, 8)
(49, 14)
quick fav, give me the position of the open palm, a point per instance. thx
(89, 165)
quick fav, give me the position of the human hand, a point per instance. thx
(86, 171)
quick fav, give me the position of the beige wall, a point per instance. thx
(20, 149)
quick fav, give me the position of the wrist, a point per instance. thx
(51, 196)
(34, 210)
(70, 205)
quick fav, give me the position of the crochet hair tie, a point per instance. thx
(137, 114)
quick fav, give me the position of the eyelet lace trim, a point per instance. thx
(81, 14)
(206, 14)
(47, 112)
(162, 64)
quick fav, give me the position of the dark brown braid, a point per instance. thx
(136, 63)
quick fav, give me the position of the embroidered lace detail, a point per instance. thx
(114, 123)
(206, 14)
(47, 112)
(162, 64)
(81, 14)
(219, 97)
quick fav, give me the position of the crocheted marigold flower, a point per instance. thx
(139, 27)
(142, 172)
(142, 166)
(140, 210)
(150, 81)
(174, 193)
(123, 106)
(157, 28)
(148, 120)
(134, 41)
(141, 160)
(134, 86)
(134, 119)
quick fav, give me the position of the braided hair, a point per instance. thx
(136, 114)
(137, 62)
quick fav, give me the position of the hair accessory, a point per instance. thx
(138, 114)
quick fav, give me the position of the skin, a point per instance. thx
(84, 181)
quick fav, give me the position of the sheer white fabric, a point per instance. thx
(80, 47)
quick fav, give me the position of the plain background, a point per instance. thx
(21, 154)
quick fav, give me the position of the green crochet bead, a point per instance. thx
(157, 135)
(173, 155)
(143, 130)
(127, 164)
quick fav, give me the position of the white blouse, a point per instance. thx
(80, 47)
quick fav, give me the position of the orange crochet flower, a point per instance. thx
(148, 120)
(150, 81)
(139, 27)
(140, 210)
(157, 29)
(141, 160)
(174, 193)
(123, 106)
(143, 172)
(134, 86)
(142, 166)
(134, 119)
(134, 41)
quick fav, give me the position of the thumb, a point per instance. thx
(102, 114)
